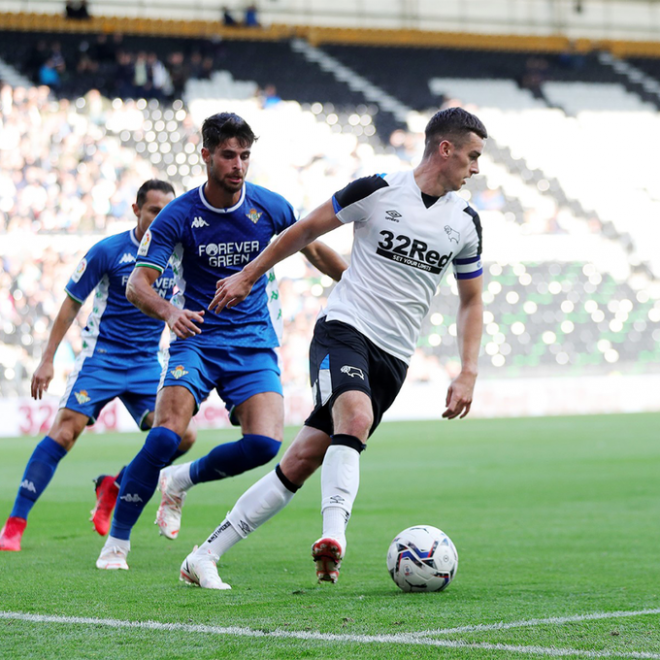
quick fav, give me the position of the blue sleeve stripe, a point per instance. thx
(68, 293)
(464, 262)
(336, 205)
(469, 276)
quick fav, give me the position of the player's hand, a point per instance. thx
(182, 322)
(41, 379)
(459, 396)
(231, 291)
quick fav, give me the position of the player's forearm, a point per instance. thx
(325, 259)
(297, 237)
(147, 300)
(65, 317)
(293, 240)
(469, 332)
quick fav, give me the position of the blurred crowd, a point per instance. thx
(69, 172)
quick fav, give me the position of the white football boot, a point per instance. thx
(168, 517)
(200, 569)
(112, 558)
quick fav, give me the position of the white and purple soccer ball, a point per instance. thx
(422, 558)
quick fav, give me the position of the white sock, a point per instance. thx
(340, 480)
(181, 476)
(112, 542)
(257, 505)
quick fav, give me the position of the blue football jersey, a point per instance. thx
(208, 244)
(115, 327)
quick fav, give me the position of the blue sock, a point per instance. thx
(234, 458)
(177, 454)
(141, 478)
(38, 473)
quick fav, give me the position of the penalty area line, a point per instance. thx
(525, 623)
(399, 638)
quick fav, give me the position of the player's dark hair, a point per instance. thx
(223, 126)
(453, 124)
(152, 184)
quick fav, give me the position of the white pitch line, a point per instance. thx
(555, 620)
(400, 638)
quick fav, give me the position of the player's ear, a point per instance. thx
(136, 210)
(206, 154)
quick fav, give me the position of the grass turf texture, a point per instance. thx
(551, 517)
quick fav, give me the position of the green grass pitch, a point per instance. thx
(556, 522)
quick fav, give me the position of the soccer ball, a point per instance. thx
(422, 558)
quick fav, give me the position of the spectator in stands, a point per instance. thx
(227, 18)
(251, 17)
(49, 75)
(269, 97)
(77, 11)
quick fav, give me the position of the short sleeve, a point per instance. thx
(467, 263)
(352, 203)
(88, 273)
(285, 217)
(160, 239)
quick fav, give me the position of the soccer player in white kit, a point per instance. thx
(408, 228)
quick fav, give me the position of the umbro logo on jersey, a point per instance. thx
(127, 258)
(28, 485)
(352, 371)
(393, 215)
(131, 498)
(452, 233)
(198, 223)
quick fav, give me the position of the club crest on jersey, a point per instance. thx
(393, 215)
(352, 371)
(144, 245)
(254, 215)
(452, 233)
(178, 372)
(198, 223)
(80, 269)
(82, 397)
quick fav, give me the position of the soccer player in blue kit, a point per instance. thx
(211, 232)
(119, 358)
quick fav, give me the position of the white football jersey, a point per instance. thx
(403, 244)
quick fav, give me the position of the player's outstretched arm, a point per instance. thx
(470, 322)
(233, 290)
(325, 259)
(44, 372)
(140, 292)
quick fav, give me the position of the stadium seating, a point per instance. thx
(571, 271)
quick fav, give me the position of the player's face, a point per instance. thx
(154, 203)
(227, 165)
(463, 161)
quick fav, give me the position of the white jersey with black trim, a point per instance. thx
(403, 244)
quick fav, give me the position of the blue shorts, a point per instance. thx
(95, 381)
(236, 373)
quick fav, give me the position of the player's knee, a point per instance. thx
(65, 435)
(358, 424)
(260, 448)
(160, 445)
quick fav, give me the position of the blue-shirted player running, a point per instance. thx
(119, 358)
(210, 233)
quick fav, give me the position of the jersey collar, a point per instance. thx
(134, 239)
(216, 210)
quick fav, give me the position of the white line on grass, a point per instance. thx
(536, 622)
(400, 638)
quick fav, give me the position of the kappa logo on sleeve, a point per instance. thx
(144, 245)
(80, 269)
